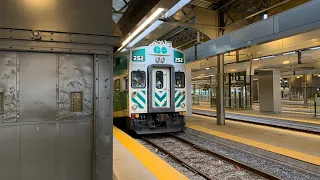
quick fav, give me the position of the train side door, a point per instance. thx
(161, 84)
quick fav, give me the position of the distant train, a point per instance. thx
(150, 89)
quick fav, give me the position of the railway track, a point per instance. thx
(204, 162)
(271, 122)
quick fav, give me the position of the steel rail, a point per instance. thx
(229, 160)
(178, 160)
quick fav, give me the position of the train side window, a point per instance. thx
(180, 79)
(117, 85)
(138, 79)
(159, 79)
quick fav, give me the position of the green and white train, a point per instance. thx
(150, 89)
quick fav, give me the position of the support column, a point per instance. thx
(290, 92)
(220, 91)
(211, 100)
(269, 91)
(305, 94)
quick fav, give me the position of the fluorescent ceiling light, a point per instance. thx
(265, 16)
(207, 68)
(255, 59)
(124, 50)
(288, 53)
(146, 32)
(298, 76)
(267, 57)
(142, 26)
(315, 48)
(156, 24)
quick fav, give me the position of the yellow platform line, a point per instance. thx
(159, 168)
(286, 119)
(275, 149)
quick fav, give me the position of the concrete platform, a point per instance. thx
(132, 161)
(126, 166)
(299, 146)
(284, 115)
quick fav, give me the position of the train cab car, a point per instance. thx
(150, 93)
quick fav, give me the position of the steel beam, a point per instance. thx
(273, 28)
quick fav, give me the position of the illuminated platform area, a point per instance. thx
(297, 146)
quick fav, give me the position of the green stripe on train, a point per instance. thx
(161, 98)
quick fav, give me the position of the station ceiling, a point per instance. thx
(181, 28)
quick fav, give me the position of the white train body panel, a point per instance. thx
(160, 97)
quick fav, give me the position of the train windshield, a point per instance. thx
(159, 79)
(180, 82)
(138, 79)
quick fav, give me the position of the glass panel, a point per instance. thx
(180, 82)
(159, 79)
(76, 102)
(138, 79)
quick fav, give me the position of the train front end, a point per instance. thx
(157, 98)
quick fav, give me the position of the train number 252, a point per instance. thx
(138, 58)
(178, 60)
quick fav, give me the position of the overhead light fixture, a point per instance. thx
(288, 53)
(124, 50)
(142, 26)
(156, 24)
(267, 57)
(265, 16)
(315, 48)
(298, 77)
(151, 28)
(255, 59)
(207, 68)
(318, 75)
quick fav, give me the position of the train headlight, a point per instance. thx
(158, 59)
(134, 107)
(182, 105)
(162, 60)
(137, 116)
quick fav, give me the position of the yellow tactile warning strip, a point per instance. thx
(256, 115)
(159, 168)
(278, 150)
